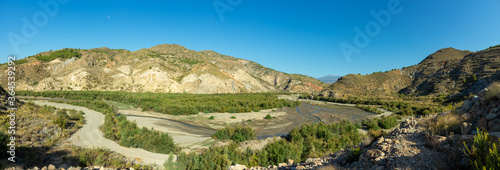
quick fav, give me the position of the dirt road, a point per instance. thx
(89, 136)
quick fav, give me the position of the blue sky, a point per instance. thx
(291, 36)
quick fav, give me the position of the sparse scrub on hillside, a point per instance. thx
(64, 53)
(178, 104)
(483, 154)
(237, 133)
(443, 125)
(493, 92)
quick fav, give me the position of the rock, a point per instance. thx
(272, 167)
(437, 140)
(45, 168)
(374, 153)
(467, 105)
(237, 167)
(378, 141)
(311, 160)
(482, 123)
(300, 167)
(468, 139)
(465, 127)
(281, 165)
(290, 162)
(491, 116)
(74, 168)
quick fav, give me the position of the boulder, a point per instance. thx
(272, 167)
(237, 167)
(378, 141)
(374, 153)
(281, 165)
(311, 160)
(491, 116)
(290, 162)
(467, 105)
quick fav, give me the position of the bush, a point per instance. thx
(280, 151)
(268, 116)
(483, 154)
(493, 92)
(64, 53)
(233, 117)
(238, 133)
(211, 118)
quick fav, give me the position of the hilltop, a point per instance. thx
(448, 72)
(162, 68)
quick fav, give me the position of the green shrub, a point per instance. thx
(211, 118)
(483, 154)
(280, 151)
(233, 117)
(64, 53)
(237, 133)
(268, 116)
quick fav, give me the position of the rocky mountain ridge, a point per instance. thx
(162, 68)
(448, 71)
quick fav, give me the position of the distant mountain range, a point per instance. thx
(329, 79)
(162, 68)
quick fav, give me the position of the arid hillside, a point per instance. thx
(162, 68)
(449, 72)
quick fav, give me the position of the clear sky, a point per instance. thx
(302, 37)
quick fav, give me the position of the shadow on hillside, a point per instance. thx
(29, 157)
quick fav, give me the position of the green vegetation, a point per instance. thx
(398, 107)
(483, 154)
(384, 122)
(233, 117)
(238, 133)
(310, 140)
(369, 109)
(21, 61)
(128, 134)
(319, 139)
(491, 47)
(211, 118)
(268, 116)
(178, 104)
(64, 53)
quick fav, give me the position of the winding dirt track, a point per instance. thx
(89, 136)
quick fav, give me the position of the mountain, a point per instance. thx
(162, 68)
(329, 79)
(448, 71)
